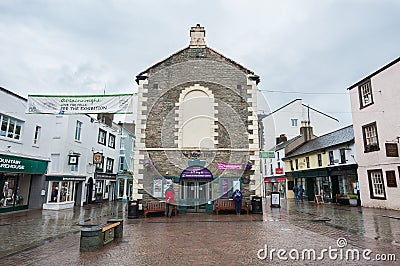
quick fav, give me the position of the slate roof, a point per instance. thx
(334, 138)
(282, 145)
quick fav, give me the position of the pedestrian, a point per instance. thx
(237, 198)
(296, 193)
(301, 191)
(169, 199)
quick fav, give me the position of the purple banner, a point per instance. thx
(196, 172)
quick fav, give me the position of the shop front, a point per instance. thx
(124, 186)
(195, 188)
(344, 181)
(313, 181)
(105, 186)
(64, 191)
(275, 184)
(16, 177)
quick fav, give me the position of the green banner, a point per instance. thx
(16, 164)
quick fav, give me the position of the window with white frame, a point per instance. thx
(376, 184)
(102, 137)
(370, 135)
(78, 130)
(293, 122)
(36, 137)
(55, 162)
(109, 165)
(365, 92)
(111, 141)
(121, 163)
(10, 127)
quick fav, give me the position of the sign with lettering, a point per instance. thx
(391, 150)
(267, 154)
(228, 166)
(22, 165)
(80, 104)
(196, 172)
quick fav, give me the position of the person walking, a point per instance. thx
(237, 198)
(296, 193)
(170, 199)
(301, 191)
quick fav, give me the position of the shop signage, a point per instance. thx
(65, 178)
(279, 171)
(80, 104)
(227, 166)
(22, 165)
(274, 179)
(196, 172)
(97, 158)
(105, 176)
(73, 159)
(267, 154)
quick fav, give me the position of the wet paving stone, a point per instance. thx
(208, 239)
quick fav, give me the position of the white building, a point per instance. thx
(74, 176)
(287, 120)
(374, 104)
(23, 154)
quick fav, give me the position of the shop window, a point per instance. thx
(370, 135)
(228, 185)
(102, 137)
(36, 137)
(391, 178)
(109, 165)
(376, 184)
(61, 191)
(78, 130)
(365, 94)
(111, 141)
(10, 127)
(319, 159)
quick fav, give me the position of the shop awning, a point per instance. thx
(280, 179)
(16, 164)
(196, 172)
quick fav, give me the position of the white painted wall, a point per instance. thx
(384, 111)
(280, 122)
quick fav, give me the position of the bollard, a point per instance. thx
(118, 231)
(91, 238)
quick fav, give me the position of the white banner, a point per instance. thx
(80, 104)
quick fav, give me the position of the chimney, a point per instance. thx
(197, 35)
(281, 138)
(306, 131)
(106, 119)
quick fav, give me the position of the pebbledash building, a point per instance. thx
(197, 128)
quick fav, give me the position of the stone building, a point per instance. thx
(197, 127)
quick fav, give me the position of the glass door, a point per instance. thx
(195, 194)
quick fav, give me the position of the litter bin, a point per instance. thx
(133, 209)
(210, 206)
(256, 205)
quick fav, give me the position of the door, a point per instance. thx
(195, 194)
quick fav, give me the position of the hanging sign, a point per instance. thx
(228, 166)
(80, 104)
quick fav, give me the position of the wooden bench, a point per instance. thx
(157, 206)
(228, 205)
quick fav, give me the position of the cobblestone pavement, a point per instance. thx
(209, 239)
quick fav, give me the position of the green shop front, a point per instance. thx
(16, 177)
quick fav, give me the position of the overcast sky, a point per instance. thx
(311, 50)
